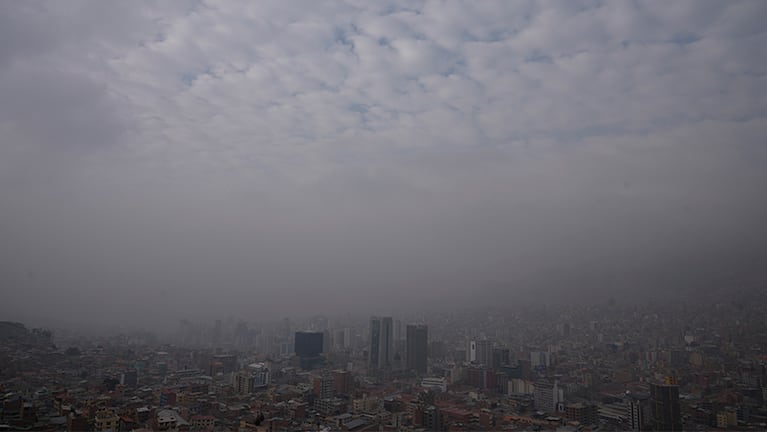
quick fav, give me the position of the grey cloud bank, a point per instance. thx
(167, 160)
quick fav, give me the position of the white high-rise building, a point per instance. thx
(547, 395)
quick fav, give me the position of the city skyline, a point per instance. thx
(610, 366)
(399, 216)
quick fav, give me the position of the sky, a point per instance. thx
(206, 159)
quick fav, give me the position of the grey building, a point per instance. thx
(417, 347)
(381, 352)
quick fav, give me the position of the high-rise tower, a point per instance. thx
(664, 400)
(381, 346)
(479, 351)
(417, 347)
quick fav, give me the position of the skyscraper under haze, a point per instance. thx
(664, 400)
(381, 347)
(309, 344)
(417, 347)
(479, 351)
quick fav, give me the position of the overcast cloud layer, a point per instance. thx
(206, 159)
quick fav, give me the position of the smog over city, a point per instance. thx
(204, 171)
(271, 158)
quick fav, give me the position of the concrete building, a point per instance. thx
(170, 420)
(247, 381)
(484, 352)
(479, 351)
(223, 364)
(431, 418)
(106, 420)
(481, 377)
(203, 422)
(547, 395)
(638, 412)
(585, 414)
(500, 358)
(434, 383)
(726, 419)
(323, 387)
(343, 382)
(518, 386)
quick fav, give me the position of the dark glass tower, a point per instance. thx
(666, 413)
(417, 347)
(381, 344)
(308, 344)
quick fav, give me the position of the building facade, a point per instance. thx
(417, 347)
(251, 378)
(547, 395)
(666, 414)
(381, 352)
(479, 351)
(638, 412)
(309, 344)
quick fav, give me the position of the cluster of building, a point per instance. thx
(599, 368)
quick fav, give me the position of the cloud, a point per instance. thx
(229, 151)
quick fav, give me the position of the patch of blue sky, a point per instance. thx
(360, 108)
(188, 78)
